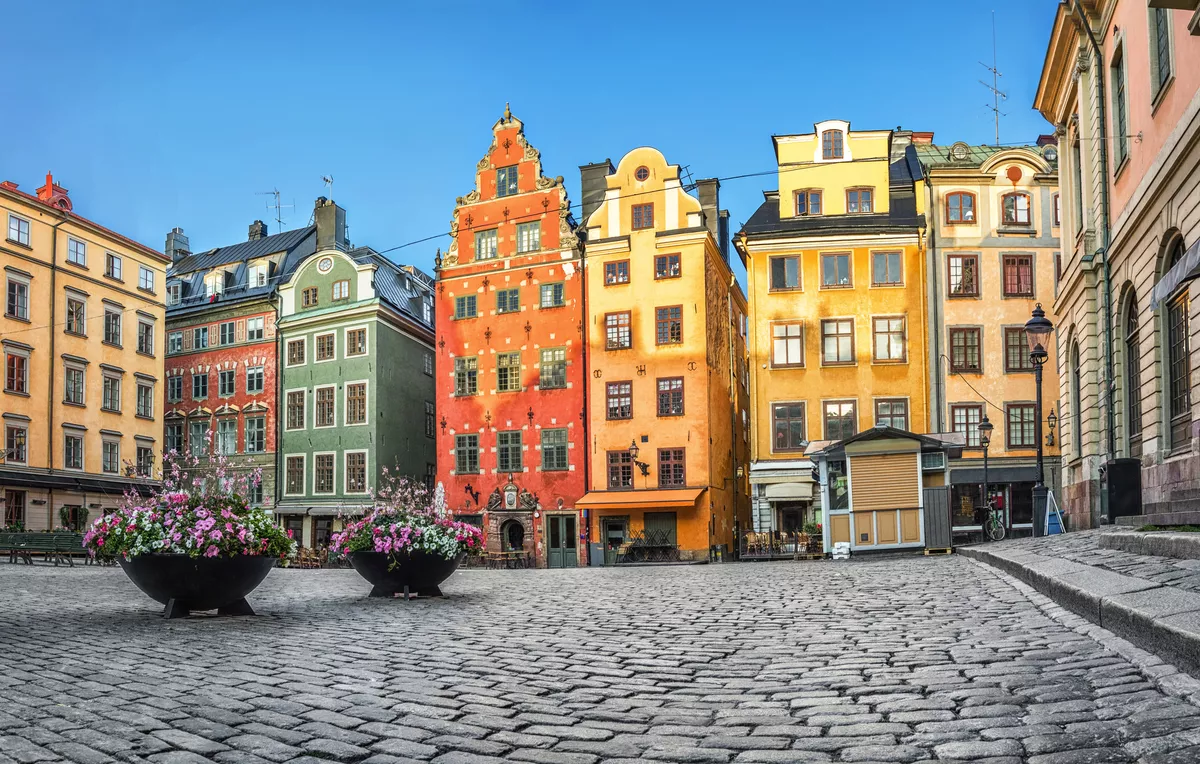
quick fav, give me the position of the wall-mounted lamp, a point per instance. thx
(633, 454)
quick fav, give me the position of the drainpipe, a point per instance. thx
(935, 304)
(280, 405)
(50, 439)
(586, 327)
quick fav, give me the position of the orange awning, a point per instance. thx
(674, 498)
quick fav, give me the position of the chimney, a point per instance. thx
(723, 233)
(922, 138)
(593, 183)
(709, 191)
(54, 194)
(177, 245)
(258, 230)
(1047, 140)
(331, 225)
(901, 140)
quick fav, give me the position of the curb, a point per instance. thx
(1163, 620)
(1182, 546)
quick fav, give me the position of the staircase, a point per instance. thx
(1183, 508)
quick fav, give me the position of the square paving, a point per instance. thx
(889, 660)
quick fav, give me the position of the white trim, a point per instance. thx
(304, 418)
(82, 244)
(346, 341)
(346, 482)
(346, 402)
(287, 354)
(318, 335)
(28, 229)
(303, 474)
(316, 426)
(82, 450)
(333, 492)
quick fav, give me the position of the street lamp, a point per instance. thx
(985, 428)
(633, 455)
(1037, 332)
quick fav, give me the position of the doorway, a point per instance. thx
(613, 532)
(561, 552)
(512, 536)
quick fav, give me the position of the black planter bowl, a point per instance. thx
(184, 583)
(408, 573)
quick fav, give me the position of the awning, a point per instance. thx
(1182, 271)
(675, 498)
(995, 475)
(322, 511)
(790, 491)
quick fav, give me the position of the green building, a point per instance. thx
(356, 379)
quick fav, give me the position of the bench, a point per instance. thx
(58, 547)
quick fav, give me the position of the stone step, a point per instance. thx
(1185, 494)
(1161, 518)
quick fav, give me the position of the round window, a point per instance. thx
(325, 264)
(642, 173)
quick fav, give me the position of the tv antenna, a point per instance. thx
(328, 181)
(997, 94)
(279, 208)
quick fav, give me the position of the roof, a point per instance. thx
(938, 441)
(403, 287)
(931, 155)
(241, 252)
(31, 199)
(902, 217)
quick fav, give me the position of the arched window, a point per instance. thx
(831, 144)
(1133, 379)
(1179, 374)
(1015, 208)
(1076, 402)
(960, 207)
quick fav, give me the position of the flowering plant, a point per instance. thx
(199, 510)
(402, 517)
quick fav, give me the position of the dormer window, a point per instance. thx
(831, 144)
(257, 275)
(174, 293)
(1016, 208)
(214, 284)
(808, 201)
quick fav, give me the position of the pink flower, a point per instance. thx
(212, 551)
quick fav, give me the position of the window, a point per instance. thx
(552, 295)
(18, 230)
(670, 396)
(643, 216)
(15, 439)
(295, 475)
(617, 335)
(1020, 426)
(145, 279)
(668, 325)
(145, 338)
(323, 473)
(356, 342)
(174, 342)
(889, 338)
(325, 407)
(198, 437)
(341, 290)
(325, 348)
(787, 422)
(295, 352)
(841, 420)
(1056, 201)
(787, 345)
(1160, 49)
(309, 297)
(110, 393)
(671, 471)
(254, 379)
(487, 244)
(200, 338)
(427, 363)
(466, 376)
(553, 368)
(506, 181)
(145, 461)
(73, 452)
(965, 419)
(76, 317)
(835, 271)
(18, 299)
(1077, 178)
(174, 389)
(960, 207)
(464, 307)
(14, 508)
(430, 423)
(1015, 208)
(112, 266)
(554, 450)
(16, 373)
(145, 400)
(508, 300)
(620, 470)
(619, 400)
(886, 270)
(225, 382)
(529, 237)
(254, 328)
(808, 202)
(1179, 366)
(785, 273)
(831, 144)
(76, 252)
(174, 436)
(1016, 350)
(616, 272)
(199, 386)
(892, 412)
(963, 272)
(112, 327)
(174, 293)
(837, 341)
(356, 472)
(356, 402)
(256, 434)
(1120, 108)
(227, 436)
(295, 409)
(1133, 380)
(508, 372)
(858, 200)
(667, 266)
(73, 385)
(964, 350)
(466, 454)
(256, 275)
(508, 451)
(1018, 275)
(110, 457)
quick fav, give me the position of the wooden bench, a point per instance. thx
(56, 547)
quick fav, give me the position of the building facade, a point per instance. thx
(837, 275)
(992, 254)
(1121, 83)
(82, 337)
(356, 380)
(512, 446)
(667, 392)
(221, 376)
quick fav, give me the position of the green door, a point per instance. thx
(614, 537)
(561, 552)
(660, 528)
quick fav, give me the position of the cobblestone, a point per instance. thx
(888, 660)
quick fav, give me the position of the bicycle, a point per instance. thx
(993, 523)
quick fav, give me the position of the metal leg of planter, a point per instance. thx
(175, 609)
(241, 607)
(432, 591)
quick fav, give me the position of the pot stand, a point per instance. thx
(177, 609)
(384, 591)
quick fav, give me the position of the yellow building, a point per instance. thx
(993, 252)
(666, 354)
(82, 337)
(837, 287)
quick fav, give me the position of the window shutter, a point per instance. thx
(241, 330)
(187, 339)
(269, 325)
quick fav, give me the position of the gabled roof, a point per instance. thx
(937, 442)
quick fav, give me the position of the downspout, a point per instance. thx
(50, 439)
(280, 404)
(935, 304)
(585, 415)
(733, 397)
(1104, 231)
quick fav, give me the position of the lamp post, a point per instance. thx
(985, 428)
(1037, 332)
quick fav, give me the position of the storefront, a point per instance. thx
(664, 517)
(782, 496)
(1011, 488)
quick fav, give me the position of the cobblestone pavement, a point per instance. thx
(896, 660)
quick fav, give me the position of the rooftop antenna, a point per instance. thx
(278, 207)
(328, 181)
(997, 94)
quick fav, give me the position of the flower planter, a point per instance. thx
(184, 583)
(408, 573)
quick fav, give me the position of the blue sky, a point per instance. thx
(157, 115)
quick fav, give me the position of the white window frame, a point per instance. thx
(314, 400)
(345, 473)
(262, 374)
(346, 341)
(114, 267)
(105, 441)
(74, 366)
(534, 243)
(253, 274)
(174, 342)
(221, 333)
(174, 398)
(207, 392)
(20, 353)
(76, 251)
(287, 352)
(139, 386)
(16, 426)
(346, 403)
(75, 297)
(120, 340)
(230, 374)
(304, 417)
(145, 275)
(149, 325)
(110, 379)
(316, 338)
(174, 293)
(303, 474)
(333, 471)
(226, 420)
(205, 436)
(15, 221)
(246, 433)
(258, 325)
(197, 332)
(22, 281)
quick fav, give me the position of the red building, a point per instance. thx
(512, 443)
